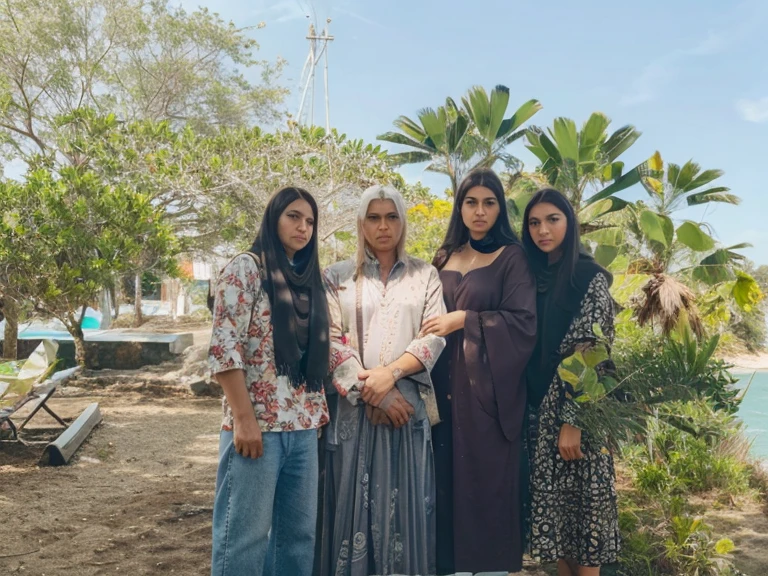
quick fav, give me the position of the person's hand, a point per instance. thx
(377, 416)
(377, 383)
(569, 443)
(247, 437)
(445, 324)
(397, 408)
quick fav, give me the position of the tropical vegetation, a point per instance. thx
(140, 146)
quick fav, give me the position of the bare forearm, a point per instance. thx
(233, 384)
(406, 365)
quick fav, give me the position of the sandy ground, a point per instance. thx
(747, 526)
(748, 362)
(136, 499)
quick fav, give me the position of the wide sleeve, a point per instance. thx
(345, 361)
(596, 309)
(427, 349)
(498, 343)
(236, 290)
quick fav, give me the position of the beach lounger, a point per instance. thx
(19, 390)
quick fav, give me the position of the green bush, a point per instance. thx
(710, 455)
(662, 537)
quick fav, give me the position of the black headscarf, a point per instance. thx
(556, 310)
(296, 295)
(561, 287)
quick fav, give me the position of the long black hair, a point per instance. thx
(458, 234)
(283, 283)
(570, 249)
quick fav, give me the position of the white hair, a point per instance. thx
(379, 192)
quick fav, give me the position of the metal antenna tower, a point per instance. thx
(318, 49)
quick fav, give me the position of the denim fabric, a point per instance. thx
(265, 509)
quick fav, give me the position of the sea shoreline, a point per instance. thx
(748, 362)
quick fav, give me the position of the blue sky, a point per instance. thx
(691, 75)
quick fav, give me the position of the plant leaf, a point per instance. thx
(702, 179)
(717, 194)
(397, 138)
(619, 142)
(691, 234)
(520, 117)
(409, 158)
(605, 254)
(652, 225)
(567, 138)
(625, 181)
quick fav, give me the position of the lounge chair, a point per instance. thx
(19, 390)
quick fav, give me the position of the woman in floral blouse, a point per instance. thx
(270, 353)
(379, 483)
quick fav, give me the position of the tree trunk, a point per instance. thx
(79, 338)
(139, 319)
(173, 296)
(72, 325)
(116, 296)
(105, 307)
(10, 341)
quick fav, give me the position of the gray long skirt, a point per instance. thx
(377, 493)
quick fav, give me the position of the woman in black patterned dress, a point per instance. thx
(572, 512)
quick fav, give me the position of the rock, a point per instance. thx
(204, 387)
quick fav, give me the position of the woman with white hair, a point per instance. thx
(378, 481)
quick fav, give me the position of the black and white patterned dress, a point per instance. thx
(572, 508)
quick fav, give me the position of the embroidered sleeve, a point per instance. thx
(237, 287)
(427, 348)
(345, 362)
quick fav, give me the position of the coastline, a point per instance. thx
(748, 362)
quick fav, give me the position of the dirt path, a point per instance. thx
(748, 528)
(137, 497)
(136, 500)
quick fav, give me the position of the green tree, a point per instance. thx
(63, 235)
(584, 165)
(579, 163)
(134, 59)
(679, 255)
(139, 59)
(427, 223)
(456, 140)
(214, 187)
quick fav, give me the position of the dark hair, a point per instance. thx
(571, 246)
(307, 261)
(458, 233)
(282, 282)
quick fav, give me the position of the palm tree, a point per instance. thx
(671, 187)
(665, 249)
(456, 140)
(583, 161)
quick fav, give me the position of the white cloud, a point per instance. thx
(712, 44)
(284, 11)
(645, 87)
(660, 72)
(358, 16)
(753, 110)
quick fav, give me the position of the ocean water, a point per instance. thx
(754, 411)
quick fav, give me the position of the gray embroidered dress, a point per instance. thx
(377, 483)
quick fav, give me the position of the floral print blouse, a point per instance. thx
(242, 339)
